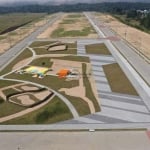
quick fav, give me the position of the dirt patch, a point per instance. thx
(27, 88)
(47, 33)
(42, 95)
(139, 39)
(25, 100)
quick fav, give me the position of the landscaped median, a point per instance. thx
(118, 81)
(100, 49)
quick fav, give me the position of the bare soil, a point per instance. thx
(135, 37)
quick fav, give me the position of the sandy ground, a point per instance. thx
(54, 26)
(137, 38)
(25, 100)
(80, 24)
(13, 37)
(42, 95)
(26, 88)
(64, 64)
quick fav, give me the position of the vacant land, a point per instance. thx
(97, 49)
(117, 79)
(10, 22)
(70, 25)
(135, 37)
(15, 27)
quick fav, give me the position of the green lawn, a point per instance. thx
(80, 105)
(25, 54)
(60, 32)
(74, 58)
(89, 92)
(53, 112)
(118, 80)
(43, 62)
(97, 49)
(5, 83)
(50, 81)
(41, 43)
(10, 91)
(7, 108)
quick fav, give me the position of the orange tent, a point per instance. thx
(63, 73)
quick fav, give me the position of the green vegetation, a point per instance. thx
(7, 108)
(43, 62)
(54, 111)
(10, 91)
(74, 15)
(80, 105)
(71, 49)
(41, 43)
(5, 83)
(10, 22)
(141, 24)
(117, 79)
(69, 21)
(97, 49)
(50, 81)
(1, 101)
(89, 91)
(60, 32)
(25, 54)
(74, 58)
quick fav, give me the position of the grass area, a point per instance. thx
(89, 91)
(43, 62)
(69, 21)
(1, 100)
(118, 80)
(5, 83)
(131, 22)
(25, 54)
(74, 58)
(97, 49)
(74, 15)
(60, 32)
(7, 108)
(10, 22)
(10, 91)
(80, 105)
(71, 49)
(41, 43)
(53, 112)
(50, 81)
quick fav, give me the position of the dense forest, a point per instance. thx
(119, 7)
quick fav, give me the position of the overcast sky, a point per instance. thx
(68, 1)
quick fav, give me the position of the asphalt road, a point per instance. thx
(12, 52)
(103, 140)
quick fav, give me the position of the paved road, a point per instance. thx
(14, 51)
(104, 140)
(133, 74)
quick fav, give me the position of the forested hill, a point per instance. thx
(101, 7)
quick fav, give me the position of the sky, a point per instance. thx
(68, 1)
